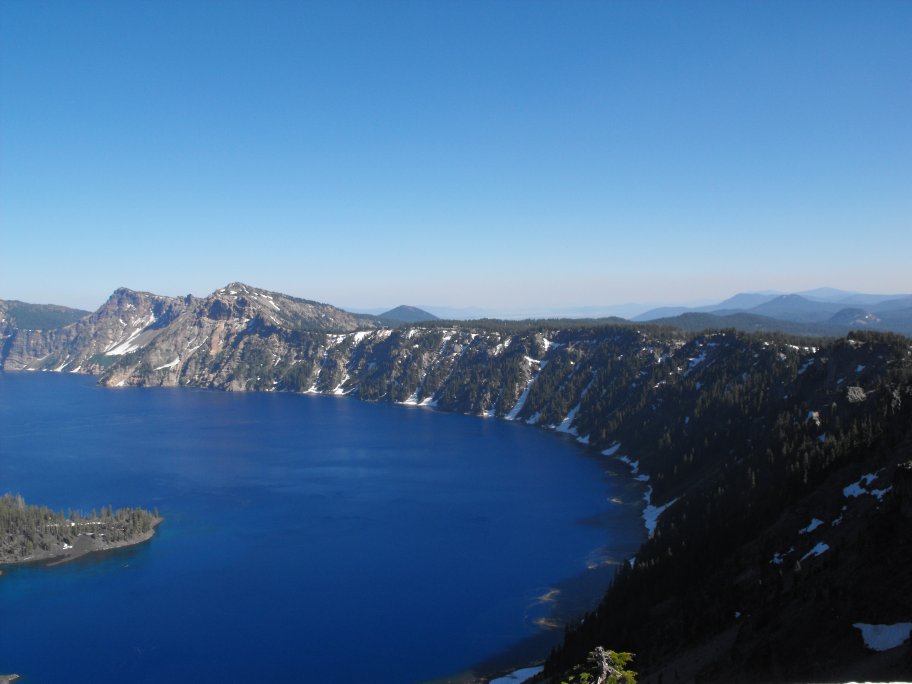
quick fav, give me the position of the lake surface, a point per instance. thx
(306, 538)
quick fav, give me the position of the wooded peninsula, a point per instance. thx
(31, 534)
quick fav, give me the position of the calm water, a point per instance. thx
(306, 538)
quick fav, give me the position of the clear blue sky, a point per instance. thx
(502, 154)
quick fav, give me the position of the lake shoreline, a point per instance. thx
(569, 600)
(83, 546)
(547, 610)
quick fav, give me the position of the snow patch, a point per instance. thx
(517, 676)
(807, 364)
(651, 513)
(412, 400)
(612, 450)
(694, 362)
(819, 548)
(567, 423)
(879, 493)
(170, 365)
(857, 488)
(884, 637)
(634, 465)
(522, 397)
(124, 347)
(779, 557)
(813, 525)
(338, 389)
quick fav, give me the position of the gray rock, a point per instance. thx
(855, 394)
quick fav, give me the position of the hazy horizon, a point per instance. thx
(531, 310)
(505, 155)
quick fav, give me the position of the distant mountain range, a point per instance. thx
(816, 312)
(819, 312)
(774, 472)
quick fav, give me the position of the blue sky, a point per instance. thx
(499, 154)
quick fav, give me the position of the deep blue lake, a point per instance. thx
(306, 538)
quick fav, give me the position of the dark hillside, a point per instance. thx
(729, 588)
(39, 316)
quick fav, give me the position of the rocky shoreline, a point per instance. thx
(82, 546)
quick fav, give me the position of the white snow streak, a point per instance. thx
(819, 548)
(339, 390)
(412, 400)
(651, 513)
(612, 450)
(567, 423)
(520, 402)
(695, 361)
(518, 675)
(813, 525)
(170, 365)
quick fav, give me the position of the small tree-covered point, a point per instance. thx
(36, 533)
(603, 666)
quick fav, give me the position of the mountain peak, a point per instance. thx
(408, 314)
(236, 287)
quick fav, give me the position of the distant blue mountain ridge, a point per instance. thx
(822, 311)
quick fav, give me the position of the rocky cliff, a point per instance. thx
(129, 322)
(126, 322)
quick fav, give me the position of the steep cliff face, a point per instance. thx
(126, 322)
(240, 338)
(130, 321)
